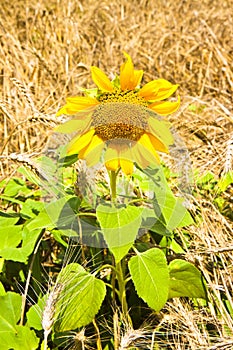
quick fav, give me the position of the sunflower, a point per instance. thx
(120, 121)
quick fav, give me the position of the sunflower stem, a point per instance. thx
(122, 290)
(113, 177)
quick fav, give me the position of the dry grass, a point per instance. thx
(46, 50)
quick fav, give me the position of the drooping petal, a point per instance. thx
(148, 149)
(101, 80)
(126, 166)
(161, 129)
(129, 78)
(112, 165)
(80, 142)
(158, 144)
(112, 158)
(126, 159)
(164, 108)
(139, 156)
(75, 124)
(157, 90)
(92, 151)
(76, 104)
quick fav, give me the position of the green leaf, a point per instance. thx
(152, 223)
(21, 254)
(10, 307)
(185, 280)
(68, 160)
(31, 208)
(13, 336)
(204, 179)
(10, 236)
(225, 181)
(80, 298)
(168, 209)
(175, 214)
(16, 187)
(34, 314)
(42, 220)
(23, 338)
(59, 213)
(120, 227)
(2, 290)
(8, 219)
(150, 276)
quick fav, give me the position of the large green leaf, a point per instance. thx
(13, 336)
(120, 227)
(150, 276)
(225, 181)
(80, 298)
(185, 280)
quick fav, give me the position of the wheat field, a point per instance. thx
(47, 48)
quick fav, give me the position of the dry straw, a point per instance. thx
(45, 54)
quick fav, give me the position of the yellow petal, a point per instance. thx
(137, 78)
(129, 78)
(74, 125)
(96, 141)
(157, 90)
(165, 93)
(101, 79)
(76, 104)
(112, 164)
(164, 108)
(148, 149)
(139, 156)
(80, 142)
(149, 90)
(112, 158)
(126, 166)
(92, 151)
(161, 130)
(126, 159)
(158, 144)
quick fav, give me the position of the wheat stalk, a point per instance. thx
(49, 311)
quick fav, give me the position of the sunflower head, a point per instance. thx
(120, 121)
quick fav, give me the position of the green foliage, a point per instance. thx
(217, 189)
(185, 280)
(83, 293)
(13, 336)
(120, 227)
(144, 218)
(149, 272)
(34, 314)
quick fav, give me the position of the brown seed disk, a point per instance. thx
(116, 120)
